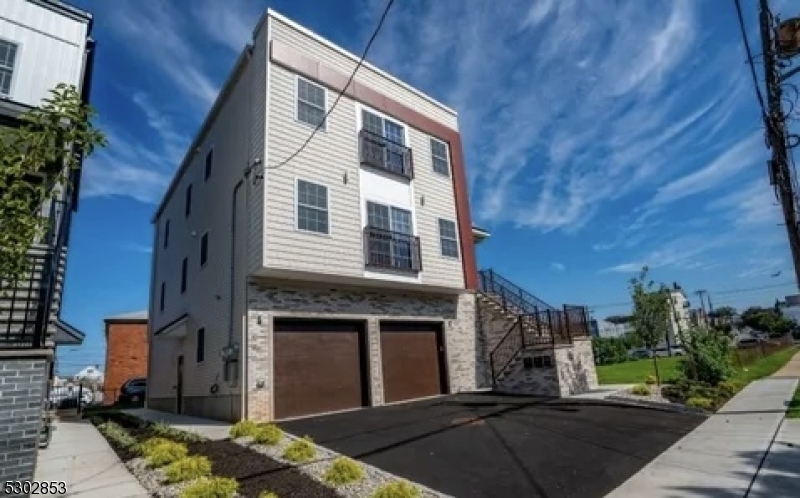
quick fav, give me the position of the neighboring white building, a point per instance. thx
(90, 373)
(679, 314)
(340, 277)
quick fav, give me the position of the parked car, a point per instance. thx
(133, 391)
(664, 352)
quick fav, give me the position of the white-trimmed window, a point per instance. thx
(311, 103)
(440, 157)
(8, 58)
(448, 238)
(312, 207)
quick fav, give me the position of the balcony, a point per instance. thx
(386, 155)
(387, 250)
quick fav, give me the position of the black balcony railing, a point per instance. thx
(391, 250)
(381, 153)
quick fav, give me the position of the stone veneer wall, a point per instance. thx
(267, 300)
(577, 372)
(531, 381)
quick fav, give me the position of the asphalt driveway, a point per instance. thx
(486, 445)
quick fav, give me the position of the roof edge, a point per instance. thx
(66, 9)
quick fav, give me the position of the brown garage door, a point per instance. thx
(412, 360)
(319, 367)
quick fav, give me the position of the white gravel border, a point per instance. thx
(373, 476)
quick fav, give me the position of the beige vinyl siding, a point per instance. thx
(258, 144)
(326, 160)
(207, 296)
(299, 41)
(439, 203)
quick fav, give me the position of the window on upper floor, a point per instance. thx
(382, 144)
(184, 274)
(440, 157)
(390, 239)
(166, 234)
(209, 163)
(188, 205)
(312, 207)
(311, 103)
(204, 249)
(8, 59)
(163, 298)
(200, 353)
(448, 238)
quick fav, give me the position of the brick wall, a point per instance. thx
(126, 356)
(23, 381)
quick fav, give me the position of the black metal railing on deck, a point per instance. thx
(508, 293)
(391, 250)
(380, 152)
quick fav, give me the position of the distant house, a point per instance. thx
(126, 352)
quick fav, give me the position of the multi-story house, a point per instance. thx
(293, 278)
(42, 43)
(679, 317)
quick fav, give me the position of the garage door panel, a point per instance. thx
(317, 371)
(411, 362)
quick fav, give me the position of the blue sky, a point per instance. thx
(600, 135)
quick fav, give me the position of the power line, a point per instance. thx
(717, 292)
(750, 62)
(340, 94)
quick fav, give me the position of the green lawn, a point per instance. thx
(794, 405)
(635, 372)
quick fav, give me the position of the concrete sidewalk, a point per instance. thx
(720, 459)
(79, 455)
(209, 429)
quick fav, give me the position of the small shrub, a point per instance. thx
(344, 470)
(243, 428)
(267, 494)
(118, 434)
(397, 489)
(158, 455)
(728, 388)
(650, 380)
(188, 468)
(147, 446)
(269, 434)
(300, 450)
(700, 402)
(170, 432)
(708, 357)
(211, 487)
(640, 390)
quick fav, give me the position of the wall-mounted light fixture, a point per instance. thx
(344, 178)
(422, 200)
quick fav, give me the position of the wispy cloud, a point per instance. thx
(230, 23)
(750, 205)
(761, 267)
(590, 112)
(138, 248)
(558, 266)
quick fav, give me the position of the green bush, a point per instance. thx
(728, 388)
(211, 487)
(708, 357)
(163, 452)
(397, 489)
(344, 470)
(650, 380)
(269, 434)
(640, 390)
(170, 432)
(700, 402)
(188, 468)
(244, 428)
(147, 446)
(300, 450)
(609, 350)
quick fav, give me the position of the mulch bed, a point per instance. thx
(254, 471)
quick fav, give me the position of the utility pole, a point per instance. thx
(777, 40)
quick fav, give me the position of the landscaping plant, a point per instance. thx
(187, 468)
(708, 357)
(211, 487)
(268, 434)
(267, 494)
(397, 489)
(117, 433)
(650, 380)
(641, 390)
(651, 306)
(701, 403)
(38, 149)
(300, 450)
(343, 471)
(244, 428)
(163, 452)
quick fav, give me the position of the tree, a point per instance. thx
(724, 312)
(650, 312)
(36, 162)
(767, 320)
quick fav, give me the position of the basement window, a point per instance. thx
(542, 362)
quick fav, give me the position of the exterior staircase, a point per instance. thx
(521, 322)
(29, 308)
